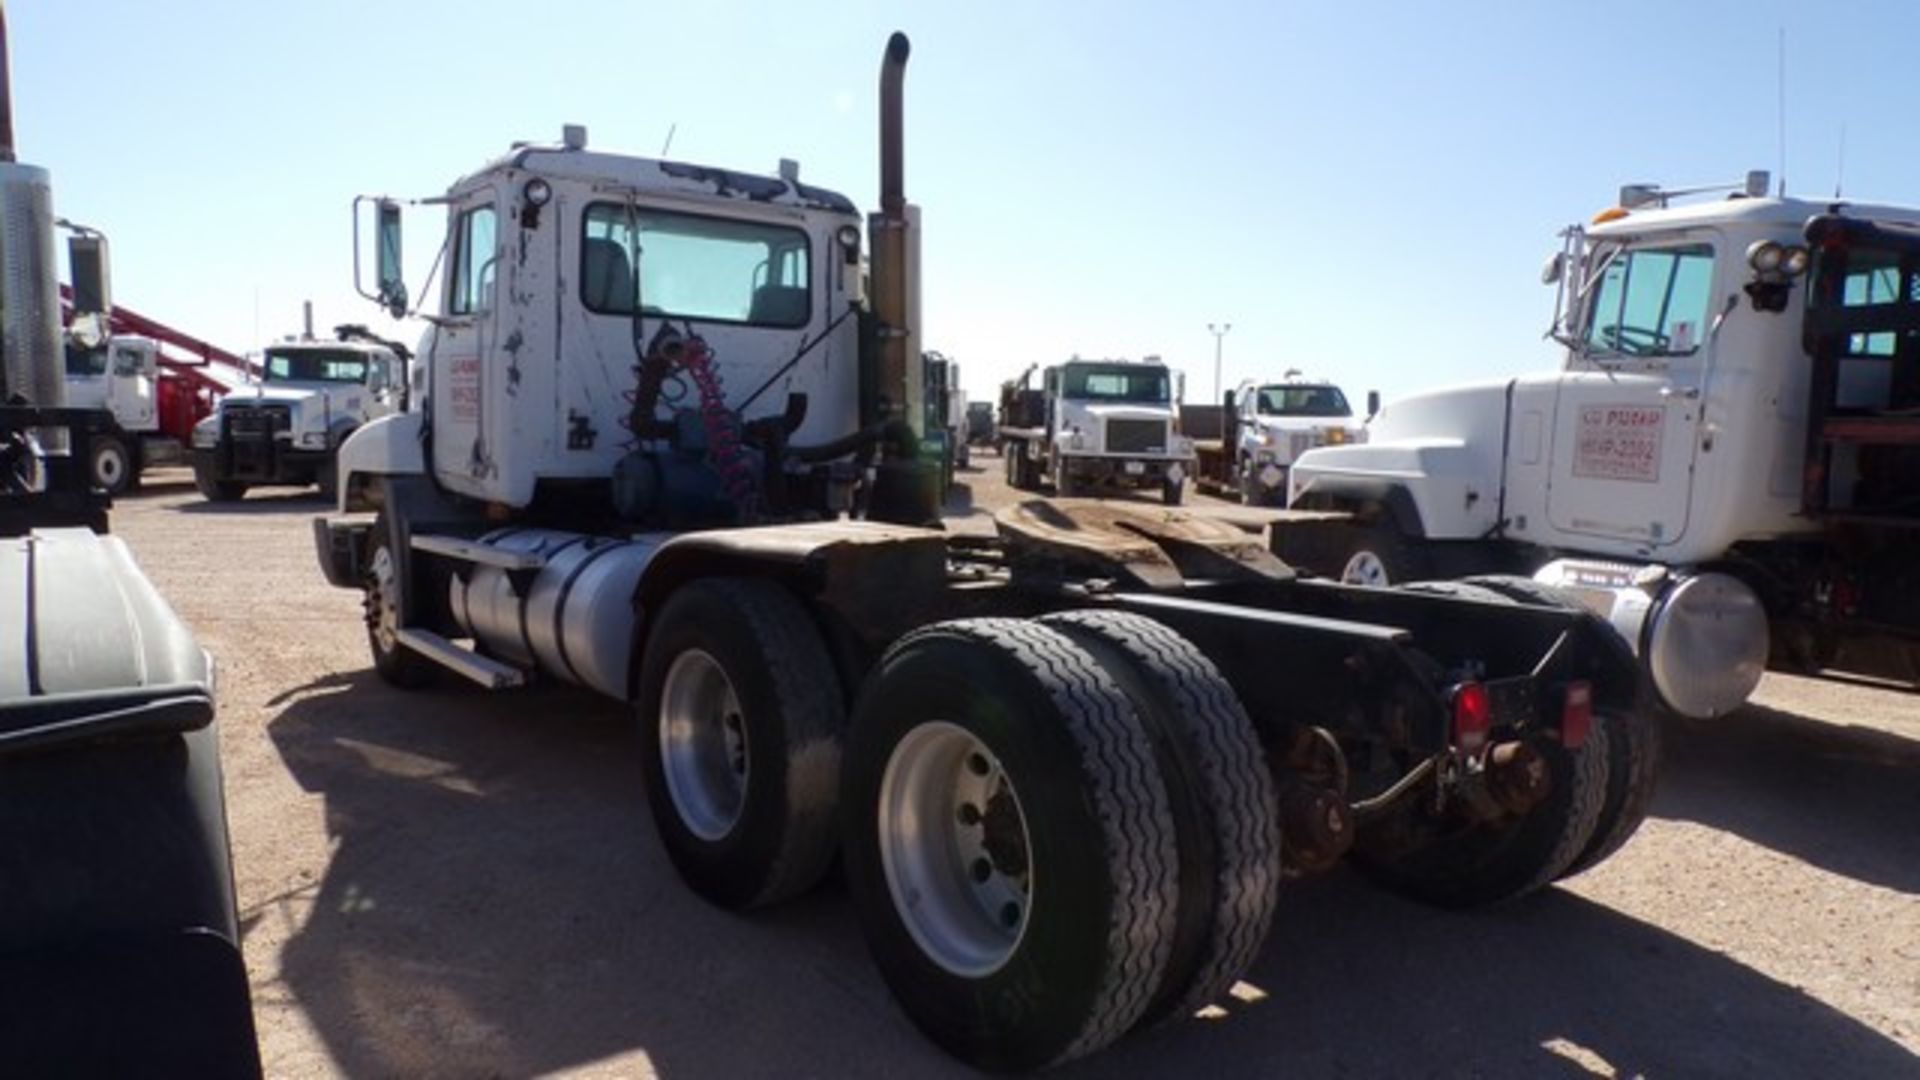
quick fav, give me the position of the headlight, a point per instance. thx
(1794, 262)
(315, 440)
(1336, 436)
(207, 432)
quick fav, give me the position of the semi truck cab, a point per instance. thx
(1658, 472)
(286, 429)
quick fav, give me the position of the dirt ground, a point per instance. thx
(461, 884)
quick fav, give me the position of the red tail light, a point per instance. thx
(1472, 716)
(1576, 715)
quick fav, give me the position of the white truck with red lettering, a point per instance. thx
(1725, 466)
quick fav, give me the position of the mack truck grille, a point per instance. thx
(1136, 436)
(257, 419)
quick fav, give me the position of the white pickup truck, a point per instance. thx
(1277, 422)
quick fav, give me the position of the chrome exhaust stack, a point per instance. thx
(34, 359)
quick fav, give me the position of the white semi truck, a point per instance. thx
(1096, 424)
(286, 428)
(664, 448)
(1725, 466)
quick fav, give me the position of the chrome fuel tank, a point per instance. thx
(576, 619)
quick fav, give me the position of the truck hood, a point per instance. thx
(340, 398)
(1444, 446)
(98, 654)
(1123, 411)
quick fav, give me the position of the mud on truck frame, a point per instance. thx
(1069, 766)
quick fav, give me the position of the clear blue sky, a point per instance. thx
(1366, 190)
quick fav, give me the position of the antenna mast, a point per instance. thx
(1780, 110)
(1840, 172)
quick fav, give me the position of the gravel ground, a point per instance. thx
(462, 884)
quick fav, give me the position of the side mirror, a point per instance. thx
(392, 283)
(92, 285)
(1556, 265)
(1373, 403)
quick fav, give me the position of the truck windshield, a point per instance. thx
(693, 266)
(315, 365)
(1303, 401)
(1651, 302)
(1143, 385)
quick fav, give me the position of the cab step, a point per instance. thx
(488, 672)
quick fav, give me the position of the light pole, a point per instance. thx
(1218, 332)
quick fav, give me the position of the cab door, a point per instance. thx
(1628, 408)
(130, 379)
(462, 455)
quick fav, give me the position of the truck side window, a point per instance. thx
(695, 267)
(1652, 302)
(473, 258)
(1864, 375)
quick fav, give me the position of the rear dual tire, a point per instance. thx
(1633, 737)
(742, 725)
(1092, 845)
(1597, 797)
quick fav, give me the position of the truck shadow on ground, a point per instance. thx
(268, 502)
(1844, 798)
(497, 904)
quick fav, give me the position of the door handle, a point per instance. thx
(1690, 393)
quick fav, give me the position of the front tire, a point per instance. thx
(111, 466)
(741, 723)
(1011, 850)
(1063, 485)
(1378, 556)
(214, 489)
(398, 665)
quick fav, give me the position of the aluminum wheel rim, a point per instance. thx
(703, 745)
(955, 850)
(383, 615)
(109, 465)
(1365, 568)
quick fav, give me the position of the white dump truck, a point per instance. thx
(666, 449)
(286, 428)
(1727, 466)
(1096, 424)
